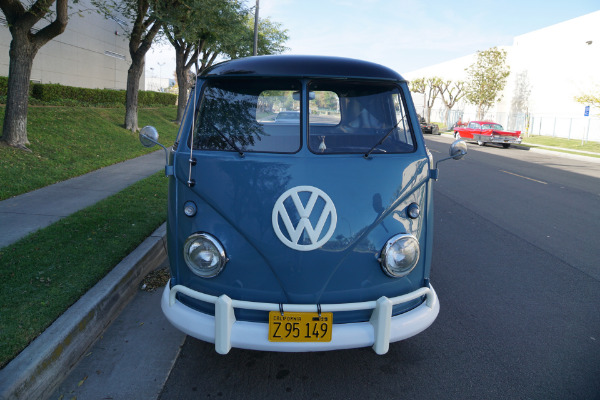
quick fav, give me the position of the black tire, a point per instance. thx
(456, 135)
(506, 145)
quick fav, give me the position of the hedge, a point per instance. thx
(3, 85)
(52, 93)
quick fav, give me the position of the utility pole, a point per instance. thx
(256, 29)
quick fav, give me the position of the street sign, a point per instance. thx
(587, 111)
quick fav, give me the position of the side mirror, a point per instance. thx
(458, 149)
(148, 136)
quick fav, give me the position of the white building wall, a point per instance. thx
(92, 52)
(158, 84)
(554, 64)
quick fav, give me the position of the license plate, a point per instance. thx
(300, 327)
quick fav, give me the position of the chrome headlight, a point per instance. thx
(204, 255)
(400, 255)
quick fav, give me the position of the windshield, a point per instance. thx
(353, 116)
(264, 115)
(249, 115)
(497, 127)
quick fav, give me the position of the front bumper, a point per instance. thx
(225, 332)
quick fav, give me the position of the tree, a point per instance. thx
(590, 99)
(450, 92)
(25, 43)
(418, 86)
(145, 26)
(189, 25)
(271, 39)
(427, 87)
(431, 87)
(204, 30)
(486, 79)
(237, 43)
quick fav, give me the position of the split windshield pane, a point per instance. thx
(254, 115)
(353, 116)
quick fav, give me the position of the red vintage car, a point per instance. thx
(484, 132)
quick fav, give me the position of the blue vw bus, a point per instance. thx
(300, 207)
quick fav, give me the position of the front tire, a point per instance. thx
(456, 135)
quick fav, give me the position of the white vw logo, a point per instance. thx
(304, 212)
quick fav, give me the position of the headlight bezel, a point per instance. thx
(392, 246)
(215, 247)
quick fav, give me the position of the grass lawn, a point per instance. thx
(46, 272)
(71, 141)
(561, 142)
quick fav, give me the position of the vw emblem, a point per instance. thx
(314, 239)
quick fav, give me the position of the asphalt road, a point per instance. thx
(516, 267)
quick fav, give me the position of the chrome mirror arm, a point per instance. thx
(149, 138)
(458, 149)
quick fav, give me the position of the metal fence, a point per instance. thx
(579, 128)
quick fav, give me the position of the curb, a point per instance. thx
(39, 369)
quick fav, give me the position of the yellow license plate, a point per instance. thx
(300, 327)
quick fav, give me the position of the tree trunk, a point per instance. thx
(428, 114)
(182, 82)
(133, 86)
(181, 97)
(22, 53)
(23, 48)
(446, 117)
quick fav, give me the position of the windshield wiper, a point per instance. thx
(368, 153)
(229, 142)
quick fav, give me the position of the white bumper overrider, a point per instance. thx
(225, 332)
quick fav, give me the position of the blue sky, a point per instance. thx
(409, 34)
(406, 34)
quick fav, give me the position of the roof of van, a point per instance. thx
(301, 66)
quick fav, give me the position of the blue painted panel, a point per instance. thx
(235, 199)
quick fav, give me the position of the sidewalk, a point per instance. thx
(24, 214)
(37, 370)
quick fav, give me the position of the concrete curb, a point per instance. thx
(38, 370)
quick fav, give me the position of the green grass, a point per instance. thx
(46, 272)
(71, 141)
(561, 142)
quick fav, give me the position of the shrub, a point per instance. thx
(149, 98)
(3, 85)
(56, 94)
